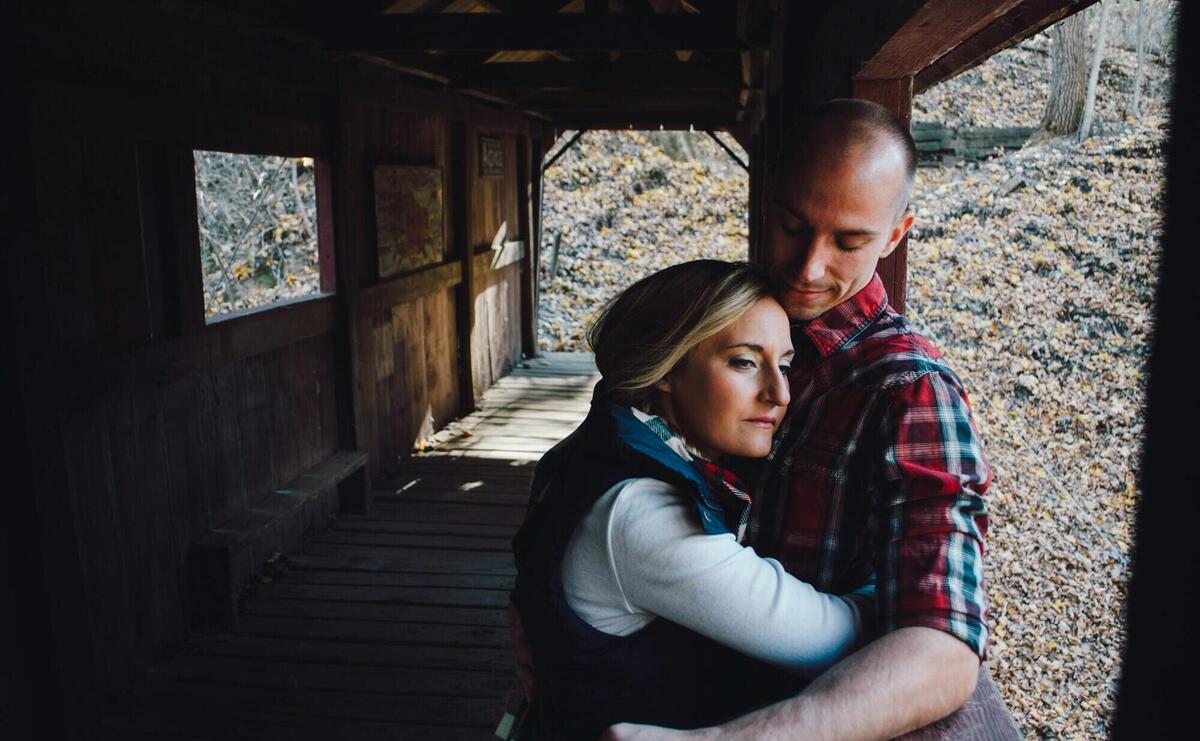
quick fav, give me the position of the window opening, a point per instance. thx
(257, 218)
(620, 205)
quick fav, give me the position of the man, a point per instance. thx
(878, 468)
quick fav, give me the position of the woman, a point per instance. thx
(637, 600)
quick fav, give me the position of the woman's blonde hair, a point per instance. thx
(649, 328)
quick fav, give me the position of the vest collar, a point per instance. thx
(634, 436)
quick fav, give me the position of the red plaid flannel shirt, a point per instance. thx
(877, 469)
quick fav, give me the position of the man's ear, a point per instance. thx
(898, 231)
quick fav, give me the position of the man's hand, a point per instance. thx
(521, 653)
(636, 732)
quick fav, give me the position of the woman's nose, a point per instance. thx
(776, 390)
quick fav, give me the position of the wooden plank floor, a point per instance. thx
(390, 625)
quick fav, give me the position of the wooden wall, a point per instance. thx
(168, 427)
(153, 427)
(415, 363)
(496, 334)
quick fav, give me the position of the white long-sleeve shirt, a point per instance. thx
(640, 553)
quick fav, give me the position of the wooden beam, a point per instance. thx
(896, 96)
(1015, 26)
(937, 27)
(461, 176)
(646, 119)
(354, 415)
(683, 103)
(622, 75)
(409, 287)
(217, 345)
(503, 32)
(529, 159)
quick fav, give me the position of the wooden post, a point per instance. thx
(754, 205)
(348, 257)
(460, 190)
(526, 167)
(189, 273)
(896, 96)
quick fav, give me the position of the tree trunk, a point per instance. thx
(1068, 78)
(1139, 70)
(1089, 103)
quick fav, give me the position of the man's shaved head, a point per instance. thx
(844, 128)
(838, 203)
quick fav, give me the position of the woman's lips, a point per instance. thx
(763, 422)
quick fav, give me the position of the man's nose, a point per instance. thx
(805, 259)
(810, 261)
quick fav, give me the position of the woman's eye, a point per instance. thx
(786, 370)
(743, 363)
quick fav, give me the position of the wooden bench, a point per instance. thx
(232, 555)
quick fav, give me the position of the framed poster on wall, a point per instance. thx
(408, 218)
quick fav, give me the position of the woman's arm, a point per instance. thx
(642, 552)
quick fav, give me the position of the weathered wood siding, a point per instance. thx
(163, 436)
(165, 427)
(406, 328)
(496, 336)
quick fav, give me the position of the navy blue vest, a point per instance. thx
(664, 673)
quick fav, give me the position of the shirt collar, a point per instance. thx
(674, 441)
(840, 324)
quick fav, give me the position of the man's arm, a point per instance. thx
(901, 682)
(929, 562)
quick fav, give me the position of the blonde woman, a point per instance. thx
(637, 599)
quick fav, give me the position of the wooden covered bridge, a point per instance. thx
(222, 529)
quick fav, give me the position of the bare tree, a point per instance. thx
(1139, 71)
(1089, 103)
(1068, 78)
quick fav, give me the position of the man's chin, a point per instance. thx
(804, 313)
(804, 308)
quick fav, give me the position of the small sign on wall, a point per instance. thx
(491, 157)
(408, 217)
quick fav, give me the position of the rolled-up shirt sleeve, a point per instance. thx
(933, 514)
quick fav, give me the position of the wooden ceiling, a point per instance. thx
(594, 63)
(645, 63)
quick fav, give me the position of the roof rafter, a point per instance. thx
(501, 31)
(1013, 27)
(621, 75)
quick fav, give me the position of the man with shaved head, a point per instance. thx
(877, 472)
